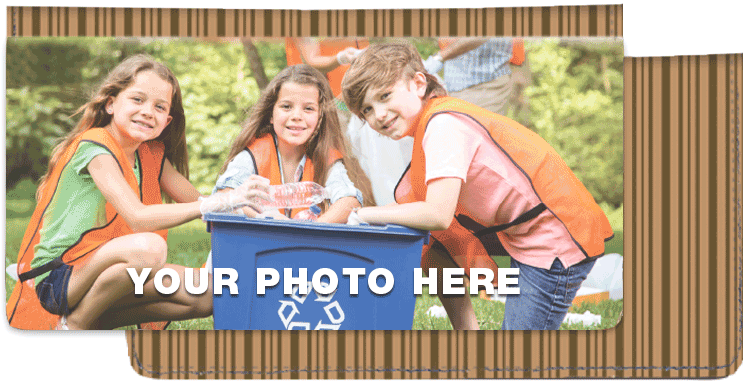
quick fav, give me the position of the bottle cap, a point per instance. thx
(315, 209)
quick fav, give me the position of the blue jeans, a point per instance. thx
(53, 290)
(545, 295)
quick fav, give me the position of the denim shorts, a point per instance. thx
(545, 295)
(53, 290)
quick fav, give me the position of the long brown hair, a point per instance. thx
(95, 116)
(381, 66)
(329, 134)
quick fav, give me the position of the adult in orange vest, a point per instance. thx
(99, 211)
(478, 70)
(479, 180)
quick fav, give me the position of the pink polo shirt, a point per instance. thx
(495, 191)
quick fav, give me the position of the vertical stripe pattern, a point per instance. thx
(594, 20)
(683, 215)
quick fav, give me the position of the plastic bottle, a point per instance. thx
(308, 214)
(295, 195)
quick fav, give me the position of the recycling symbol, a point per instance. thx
(290, 308)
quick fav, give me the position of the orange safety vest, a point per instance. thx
(328, 47)
(265, 157)
(518, 53)
(470, 243)
(23, 309)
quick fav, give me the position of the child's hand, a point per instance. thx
(253, 191)
(249, 194)
(354, 219)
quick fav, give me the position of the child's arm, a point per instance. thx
(239, 170)
(339, 211)
(177, 186)
(433, 214)
(109, 179)
(449, 150)
(344, 195)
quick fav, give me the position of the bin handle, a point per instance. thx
(326, 250)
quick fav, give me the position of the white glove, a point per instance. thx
(433, 65)
(348, 55)
(250, 193)
(354, 219)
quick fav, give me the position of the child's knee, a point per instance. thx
(149, 251)
(203, 306)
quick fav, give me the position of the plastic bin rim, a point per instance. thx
(389, 229)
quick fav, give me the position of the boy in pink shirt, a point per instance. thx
(481, 183)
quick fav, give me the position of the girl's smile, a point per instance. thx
(391, 111)
(295, 114)
(140, 112)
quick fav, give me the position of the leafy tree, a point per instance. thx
(35, 119)
(255, 62)
(217, 87)
(48, 79)
(575, 102)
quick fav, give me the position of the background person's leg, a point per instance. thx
(493, 95)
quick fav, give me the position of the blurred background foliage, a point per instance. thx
(575, 101)
(570, 92)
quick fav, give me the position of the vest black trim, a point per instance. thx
(523, 171)
(42, 269)
(408, 166)
(54, 263)
(528, 215)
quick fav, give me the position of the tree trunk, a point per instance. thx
(605, 65)
(256, 65)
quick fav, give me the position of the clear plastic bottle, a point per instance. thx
(295, 195)
(310, 214)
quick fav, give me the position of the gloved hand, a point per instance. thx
(433, 65)
(348, 55)
(354, 219)
(250, 193)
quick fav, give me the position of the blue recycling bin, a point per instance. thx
(246, 245)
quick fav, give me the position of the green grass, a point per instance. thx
(490, 314)
(610, 310)
(189, 245)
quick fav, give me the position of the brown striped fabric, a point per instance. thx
(683, 215)
(594, 20)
